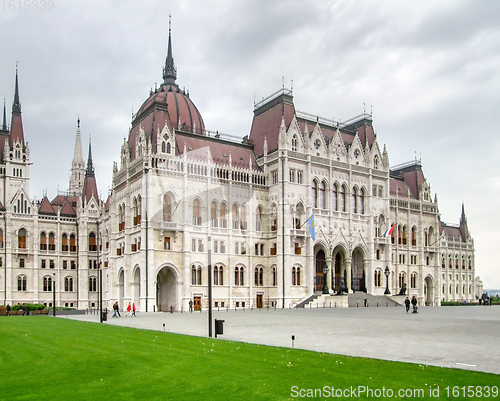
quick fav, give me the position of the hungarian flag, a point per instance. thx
(311, 227)
(388, 232)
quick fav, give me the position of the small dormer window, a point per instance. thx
(356, 153)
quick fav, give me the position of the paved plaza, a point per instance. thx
(455, 337)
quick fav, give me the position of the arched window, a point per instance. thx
(361, 201)
(413, 280)
(314, 193)
(196, 213)
(335, 197)
(43, 241)
(22, 283)
(426, 239)
(378, 278)
(375, 162)
(68, 284)
(213, 214)
(414, 236)
(64, 243)
(243, 218)
(294, 143)
(405, 229)
(354, 199)
(274, 277)
(72, 243)
(167, 208)
(258, 219)
(236, 223)
(21, 238)
(218, 275)
(239, 276)
(400, 235)
(456, 261)
(52, 242)
(295, 275)
(401, 279)
(342, 199)
(92, 284)
(322, 195)
(168, 147)
(92, 243)
(463, 262)
(223, 215)
(47, 284)
(196, 275)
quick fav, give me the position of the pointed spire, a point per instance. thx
(16, 105)
(90, 167)
(169, 71)
(463, 219)
(77, 165)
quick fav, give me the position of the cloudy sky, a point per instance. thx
(429, 69)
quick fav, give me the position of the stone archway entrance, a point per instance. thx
(429, 291)
(319, 278)
(358, 278)
(136, 287)
(121, 289)
(339, 275)
(166, 290)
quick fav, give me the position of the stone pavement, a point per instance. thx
(456, 337)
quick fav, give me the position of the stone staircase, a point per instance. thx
(357, 300)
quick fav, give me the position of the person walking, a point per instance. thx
(407, 304)
(8, 309)
(190, 305)
(133, 310)
(114, 309)
(128, 310)
(118, 309)
(414, 304)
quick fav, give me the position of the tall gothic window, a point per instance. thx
(322, 195)
(167, 208)
(314, 193)
(21, 238)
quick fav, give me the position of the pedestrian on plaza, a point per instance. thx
(190, 305)
(407, 304)
(8, 309)
(115, 305)
(118, 309)
(133, 310)
(128, 310)
(414, 303)
(366, 302)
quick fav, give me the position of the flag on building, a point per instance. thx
(311, 227)
(388, 232)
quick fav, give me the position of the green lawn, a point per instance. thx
(60, 359)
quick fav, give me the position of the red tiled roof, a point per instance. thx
(90, 189)
(47, 208)
(197, 148)
(266, 123)
(16, 130)
(399, 188)
(67, 209)
(59, 200)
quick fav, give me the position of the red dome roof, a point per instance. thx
(182, 113)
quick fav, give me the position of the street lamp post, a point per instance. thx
(325, 286)
(387, 272)
(54, 293)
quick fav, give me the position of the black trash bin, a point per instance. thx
(104, 316)
(219, 327)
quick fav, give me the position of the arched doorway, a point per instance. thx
(338, 269)
(121, 288)
(319, 279)
(358, 278)
(136, 287)
(166, 290)
(429, 291)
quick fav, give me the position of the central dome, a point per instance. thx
(167, 105)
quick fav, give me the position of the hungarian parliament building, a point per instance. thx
(300, 205)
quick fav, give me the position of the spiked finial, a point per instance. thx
(16, 105)
(169, 71)
(90, 166)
